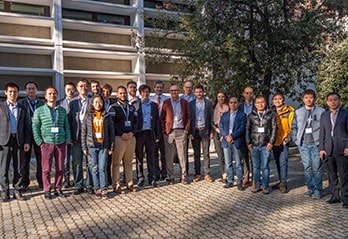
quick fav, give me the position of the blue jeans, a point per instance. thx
(281, 158)
(312, 166)
(99, 158)
(232, 153)
(261, 157)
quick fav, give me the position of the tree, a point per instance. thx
(270, 45)
(333, 74)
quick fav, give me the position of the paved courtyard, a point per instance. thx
(197, 210)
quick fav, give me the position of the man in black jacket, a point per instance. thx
(261, 132)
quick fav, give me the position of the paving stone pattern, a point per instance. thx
(197, 210)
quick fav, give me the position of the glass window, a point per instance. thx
(24, 8)
(113, 19)
(77, 15)
(124, 2)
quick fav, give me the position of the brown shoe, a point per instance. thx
(283, 188)
(119, 190)
(245, 182)
(197, 178)
(208, 178)
(131, 188)
(224, 178)
(184, 181)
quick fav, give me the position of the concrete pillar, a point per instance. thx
(139, 41)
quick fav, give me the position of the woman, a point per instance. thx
(97, 139)
(220, 106)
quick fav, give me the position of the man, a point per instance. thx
(146, 138)
(51, 132)
(201, 132)
(78, 109)
(232, 130)
(133, 99)
(188, 95)
(125, 122)
(69, 89)
(284, 114)
(305, 133)
(261, 132)
(31, 103)
(108, 102)
(14, 141)
(95, 87)
(247, 107)
(175, 121)
(333, 146)
(159, 98)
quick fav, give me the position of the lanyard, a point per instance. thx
(126, 114)
(30, 105)
(260, 118)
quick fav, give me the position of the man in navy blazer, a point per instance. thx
(333, 146)
(232, 130)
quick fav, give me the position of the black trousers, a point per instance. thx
(144, 140)
(26, 165)
(159, 155)
(7, 152)
(337, 168)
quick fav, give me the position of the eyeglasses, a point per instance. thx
(174, 90)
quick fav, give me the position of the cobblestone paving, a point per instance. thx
(197, 210)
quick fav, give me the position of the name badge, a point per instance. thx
(127, 123)
(309, 131)
(261, 130)
(54, 130)
(98, 135)
(176, 119)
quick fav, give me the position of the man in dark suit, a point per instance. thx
(78, 109)
(201, 132)
(69, 89)
(333, 146)
(148, 134)
(14, 141)
(175, 121)
(31, 103)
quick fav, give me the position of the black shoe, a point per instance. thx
(48, 195)
(345, 206)
(59, 193)
(25, 189)
(141, 183)
(18, 195)
(79, 191)
(228, 185)
(5, 198)
(240, 187)
(90, 191)
(40, 186)
(170, 181)
(154, 183)
(333, 200)
(67, 184)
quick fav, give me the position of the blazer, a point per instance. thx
(334, 145)
(238, 132)
(155, 122)
(74, 120)
(241, 106)
(64, 103)
(208, 109)
(23, 125)
(167, 115)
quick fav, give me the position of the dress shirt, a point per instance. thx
(200, 123)
(248, 108)
(177, 119)
(13, 113)
(189, 98)
(154, 98)
(146, 110)
(232, 118)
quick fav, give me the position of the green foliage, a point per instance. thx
(333, 74)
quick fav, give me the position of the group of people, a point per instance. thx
(106, 132)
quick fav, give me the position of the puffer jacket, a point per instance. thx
(284, 120)
(269, 123)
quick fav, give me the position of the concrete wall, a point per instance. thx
(163, 68)
(80, 63)
(25, 31)
(96, 37)
(25, 60)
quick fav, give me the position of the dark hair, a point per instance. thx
(12, 85)
(51, 87)
(121, 87)
(91, 109)
(216, 98)
(70, 83)
(198, 87)
(233, 96)
(131, 82)
(261, 96)
(144, 87)
(278, 94)
(83, 80)
(309, 92)
(158, 82)
(107, 87)
(333, 93)
(94, 81)
(30, 82)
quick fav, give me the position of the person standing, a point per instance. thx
(148, 135)
(14, 141)
(125, 123)
(69, 89)
(285, 114)
(305, 133)
(201, 132)
(247, 107)
(78, 109)
(232, 129)
(175, 121)
(261, 133)
(31, 102)
(97, 140)
(220, 106)
(95, 87)
(52, 133)
(160, 156)
(333, 146)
